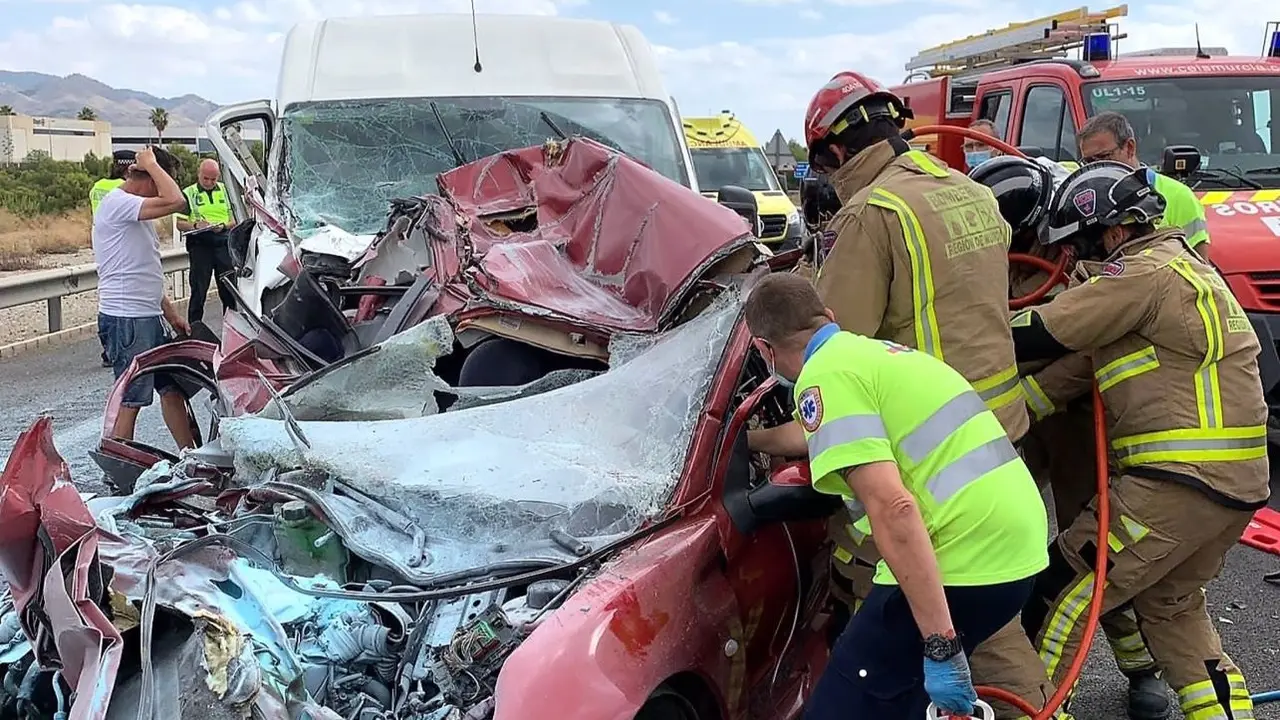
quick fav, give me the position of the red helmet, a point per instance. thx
(845, 91)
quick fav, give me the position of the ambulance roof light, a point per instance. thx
(1097, 47)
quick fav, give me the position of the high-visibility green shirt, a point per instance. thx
(208, 205)
(862, 401)
(100, 190)
(1183, 210)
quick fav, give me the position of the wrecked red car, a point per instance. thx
(369, 536)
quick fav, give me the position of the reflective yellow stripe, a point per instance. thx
(1136, 530)
(1000, 389)
(926, 320)
(926, 163)
(844, 557)
(1241, 704)
(1062, 621)
(1131, 652)
(1192, 445)
(1265, 196)
(1125, 367)
(1037, 400)
(1217, 197)
(1208, 396)
(1022, 319)
(1199, 701)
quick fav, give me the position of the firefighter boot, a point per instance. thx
(1148, 696)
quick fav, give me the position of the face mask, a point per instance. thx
(974, 158)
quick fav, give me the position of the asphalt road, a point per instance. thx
(68, 383)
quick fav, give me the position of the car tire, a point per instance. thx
(666, 704)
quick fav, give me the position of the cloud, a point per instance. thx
(664, 17)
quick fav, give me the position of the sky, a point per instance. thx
(761, 59)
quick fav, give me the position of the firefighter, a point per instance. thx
(1059, 448)
(1176, 361)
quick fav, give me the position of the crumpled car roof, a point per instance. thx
(579, 230)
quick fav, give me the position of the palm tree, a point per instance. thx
(159, 121)
(87, 113)
(7, 110)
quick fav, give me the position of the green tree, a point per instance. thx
(188, 164)
(798, 151)
(159, 121)
(257, 151)
(7, 110)
(87, 113)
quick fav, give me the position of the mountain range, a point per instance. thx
(33, 93)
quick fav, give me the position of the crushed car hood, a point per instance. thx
(574, 230)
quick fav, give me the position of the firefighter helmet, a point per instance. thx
(1102, 195)
(1024, 190)
(844, 92)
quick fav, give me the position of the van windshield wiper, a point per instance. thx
(1273, 170)
(552, 124)
(1220, 173)
(444, 130)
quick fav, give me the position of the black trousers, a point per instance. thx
(876, 670)
(209, 259)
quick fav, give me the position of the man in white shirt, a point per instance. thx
(132, 305)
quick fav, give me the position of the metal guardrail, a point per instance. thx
(53, 285)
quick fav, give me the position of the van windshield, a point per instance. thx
(345, 160)
(744, 167)
(1230, 119)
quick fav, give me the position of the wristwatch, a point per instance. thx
(940, 648)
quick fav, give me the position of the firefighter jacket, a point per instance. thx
(920, 258)
(1175, 359)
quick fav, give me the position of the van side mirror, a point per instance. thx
(743, 202)
(1179, 160)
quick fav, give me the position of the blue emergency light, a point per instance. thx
(1273, 47)
(1097, 46)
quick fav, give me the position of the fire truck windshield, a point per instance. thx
(1228, 118)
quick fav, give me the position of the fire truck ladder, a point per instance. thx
(1044, 39)
(1041, 39)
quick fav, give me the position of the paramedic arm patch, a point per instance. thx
(810, 408)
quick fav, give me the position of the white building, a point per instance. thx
(60, 138)
(192, 137)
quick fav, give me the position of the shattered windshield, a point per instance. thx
(346, 160)
(493, 481)
(744, 167)
(1230, 119)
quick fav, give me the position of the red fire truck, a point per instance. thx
(1022, 79)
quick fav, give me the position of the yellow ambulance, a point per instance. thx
(726, 153)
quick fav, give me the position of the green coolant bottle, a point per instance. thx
(307, 547)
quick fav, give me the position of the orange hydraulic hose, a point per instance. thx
(1057, 272)
(1099, 583)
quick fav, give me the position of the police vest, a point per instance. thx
(100, 190)
(210, 206)
(864, 401)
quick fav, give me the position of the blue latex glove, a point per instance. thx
(950, 686)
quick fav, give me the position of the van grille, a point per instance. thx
(774, 226)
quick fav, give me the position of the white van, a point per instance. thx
(371, 109)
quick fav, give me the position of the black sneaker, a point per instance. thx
(106, 362)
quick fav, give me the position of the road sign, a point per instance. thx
(779, 152)
(802, 170)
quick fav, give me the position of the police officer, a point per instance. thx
(120, 162)
(1059, 448)
(210, 211)
(905, 440)
(1176, 361)
(1109, 136)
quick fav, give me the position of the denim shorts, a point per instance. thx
(126, 338)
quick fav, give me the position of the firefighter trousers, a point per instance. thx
(1166, 542)
(1061, 454)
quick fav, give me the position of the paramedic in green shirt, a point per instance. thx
(1109, 136)
(120, 162)
(918, 458)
